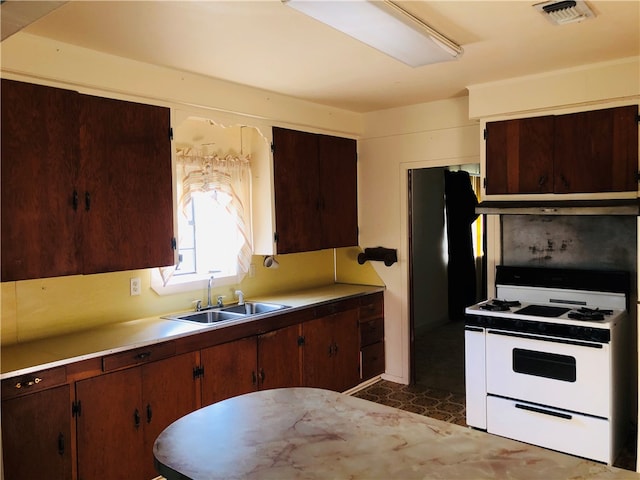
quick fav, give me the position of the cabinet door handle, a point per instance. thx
(136, 418)
(74, 200)
(542, 181)
(28, 383)
(87, 201)
(330, 350)
(261, 376)
(143, 355)
(335, 348)
(149, 413)
(61, 443)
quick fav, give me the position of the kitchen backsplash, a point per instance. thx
(592, 242)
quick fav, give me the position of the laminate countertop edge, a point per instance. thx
(29, 357)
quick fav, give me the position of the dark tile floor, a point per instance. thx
(439, 388)
(446, 406)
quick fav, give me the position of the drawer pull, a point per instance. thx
(143, 355)
(29, 383)
(543, 411)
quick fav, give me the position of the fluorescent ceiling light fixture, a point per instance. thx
(383, 25)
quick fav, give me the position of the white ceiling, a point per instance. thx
(268, 45)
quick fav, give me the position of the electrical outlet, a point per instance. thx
(252, 270)
(134, 286)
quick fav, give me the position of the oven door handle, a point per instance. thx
(541, 338)
(543, 411)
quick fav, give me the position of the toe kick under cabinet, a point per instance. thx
(98, 418)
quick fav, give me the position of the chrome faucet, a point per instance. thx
(220, 304)
(209, 285)
(240, 296)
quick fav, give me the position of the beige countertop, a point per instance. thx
(317, 434)
(82, 345)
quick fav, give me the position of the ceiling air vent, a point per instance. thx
(563, 12)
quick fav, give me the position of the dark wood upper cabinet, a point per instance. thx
(339, 192)
(597, 151)
(520, 156)
(39, 170)
(126, 170)
(586, 152)
(315, 191)
(86, 183)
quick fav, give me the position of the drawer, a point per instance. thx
(372, 360)
(138, 356)
(576, 434)
(33, 382)
(371, 306)
(336, 307)
(371, 331)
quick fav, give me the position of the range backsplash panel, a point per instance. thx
(596, 242)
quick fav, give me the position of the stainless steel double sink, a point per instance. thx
(232, 312)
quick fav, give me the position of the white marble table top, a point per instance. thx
(318, 434)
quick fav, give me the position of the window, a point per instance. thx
(210, 240)
(213, 220)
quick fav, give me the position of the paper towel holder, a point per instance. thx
(379, 254)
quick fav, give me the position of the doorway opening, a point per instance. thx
(438, 289)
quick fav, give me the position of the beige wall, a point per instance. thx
(429, 135)
(584, 85)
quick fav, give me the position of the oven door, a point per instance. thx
(568, 374)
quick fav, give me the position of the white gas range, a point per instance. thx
(543, 358)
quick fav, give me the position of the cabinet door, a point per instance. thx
(39, 170)
(126, 167)
(296, 185)
(597, 151)
(331, 351)
(230, 369)
(279, 358)
(110, 429)
(519, 156)
(168, 392)
(36, 435)
(346, 350)
(318, 353)
(338, 191)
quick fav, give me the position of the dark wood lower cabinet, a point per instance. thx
(229, 370)
(270, 360)
(123, 412)
(36, 435)
(280, 358)
(168, 392)
(118, 414)
(331, 351)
